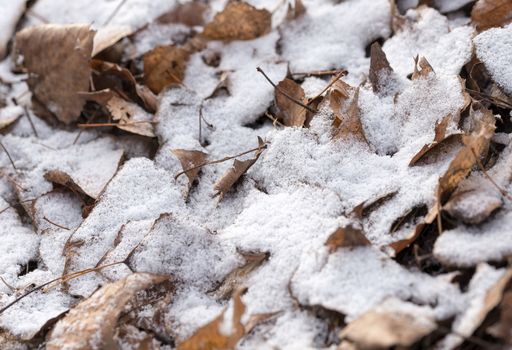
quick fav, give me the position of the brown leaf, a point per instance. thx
(503, 328)
(108, 36)
(211, 337)
(131, 117)
(491, 13)
(234, 279)
(346, 237)
(440, 137)
(233, 174)
(349, 122)
(400, 245)
(384, 329)
(92, 323)
(163, 66)
(238, 21)
(257, 319)
(190, 159)
(290, 113)
(424, 68)
(295, 11)
(380, 70)
(57, 59)
(190, 14)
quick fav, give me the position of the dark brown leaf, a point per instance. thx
(424, 68)
(190, 14)
(346, 237)
(491, 13)
(163, 66)
(190, 159)
(57, 59)
(295, 11)
(290, 113)
(238, 21)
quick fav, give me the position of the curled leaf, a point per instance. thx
(346, 237)
(57, 59)
(238, 21)
(92, 323)
(290, 112)
(424, 68)
(131, 117)
(163, 66)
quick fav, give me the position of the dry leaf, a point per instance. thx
(346, 237)
(91, 324)
(233, 174)
(290, 113)
(234, 279)
(384, 329)
(108, 36)
(212, 337)
(458, 204)
(190, 159)
(400, 245)
(350, 122)
(257, 319)
(380, 70)
(295, 11)
(57, 59)
(131, 117)
(163, 66)
(424, 68)
(238, 21)
(439, 138)
(491, 13)
(190, 14)
(503, 328)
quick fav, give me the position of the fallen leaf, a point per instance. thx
(380, 70)
(237, 276)
(92, 323)
(424, 68)
(295, 11)
(238, 21)
(57, 59)
(108, 36)
(346, 237)
(503, 328)
(190, 14)
(401, 244)
(257, 319)
(131, 117)
(461, 205)
(233, 174)
(290, 113)
(212, 337)
(491, 13)
(384, 329)
(190, 159)
(163, 66)
(349, 122)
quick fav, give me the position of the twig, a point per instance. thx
(439, 218)
(9, 156)
(317, 73)
(336, 78)
(98, 125)
(114, 13)
(27, 114)
(493, 99)
(61, 279)
(284, 93)
(4, 209)
(274, 119)
(498, 187)
(7, 284)
(55, 224)
(259, 148)
(31, 13)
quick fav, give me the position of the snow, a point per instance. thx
(12, 10)
(494, 49)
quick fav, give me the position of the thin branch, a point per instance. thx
(114, 13)
(336, 78)
(8, 155)
(317, 73)
(98, 125)
(285, 94)
(259, 148)
(274, 119)
(55, 224)
(59, 279)
(7, 284)
(498, 187)
(496, 100)
(27, 114)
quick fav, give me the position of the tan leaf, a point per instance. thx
(57, 59)
(350, 122)
(131, 117)
(190, 159)
(384, 329)
(295, 11)
(211, 337)
(92, 323)
(491, 13)
(346, 237)
(190, 14)
(234, 279)
(424, 68)
(108, 36)
(238, 21)
(163, 66)
(290, 112)
(233, 174)
(440, 137)
(380, 70)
